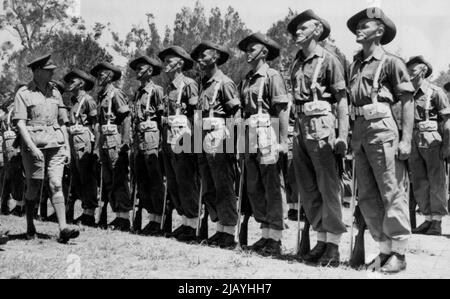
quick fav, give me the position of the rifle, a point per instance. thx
(412, 200)
(70, 203)
(204, 225)
(199, 211)
(357, 253)
(447, 181)
(239, 208)
(136, 218)
(102, 211)
(305, 244)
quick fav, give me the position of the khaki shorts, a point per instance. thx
(54, 164)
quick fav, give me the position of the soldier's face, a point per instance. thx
(143, 71)
(207, 59)
(104, 77)
(172, 63)
(416, 72)
(254, 52)
(305, 31)
(368, 31)
(75, 84)
(44, 75)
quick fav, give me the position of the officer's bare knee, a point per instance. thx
(55, 185)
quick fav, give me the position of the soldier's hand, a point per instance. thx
(284, 148)
(340, 147)
(404, 150)
(445, 152)
(38, 154)
(67, 154)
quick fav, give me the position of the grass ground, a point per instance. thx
(109, 254)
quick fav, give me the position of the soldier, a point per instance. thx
(218, 101)
(41, 121)
(318, 83)
(378, 80)
(181, 167)
(430, 147)
(13, 180)
(83, 120)
(148, 109)
(263, 95)
(114, 143)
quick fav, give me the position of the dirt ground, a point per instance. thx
(107, 254)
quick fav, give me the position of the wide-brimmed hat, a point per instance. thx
(377, 14)
(420, 59)
(76, 73)
(306, 16)
(224, 52)
(179, 52)
(107, 66)
(153, 61)
(272, 46)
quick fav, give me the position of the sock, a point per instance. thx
(436, 218)
(428, 218)
(275, 234)
(229, 229)
(265, 233)
(123, 215)
(386, 247)
(399, 246)
(60, 209)
(89, 212)
(334, 238)
(321, 237)
(192, 222)
(219, 227)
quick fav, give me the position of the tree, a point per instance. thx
(34, 20)
(443, 78)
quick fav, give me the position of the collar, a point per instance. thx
(261, 72)
(424, 87)
(108, 89)
(377, 54)
(318, 52)
(33, 86)
(177, 81)
(217, 77)
(149, 87)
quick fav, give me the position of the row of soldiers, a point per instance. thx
(395, 112)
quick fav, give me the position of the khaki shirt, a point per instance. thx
(156, 106)
(88, 111)
(394, 79)
(331, 79)
(34, 105)
(274, 91)
(119, 104)
(439, 104)
(189, 96)
(226, 101)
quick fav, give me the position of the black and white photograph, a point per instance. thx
(224, 145)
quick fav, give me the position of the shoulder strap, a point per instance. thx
(110, 98)
(315, 77)
(8, 120)
(376, 79)
(77, 114)
(149, 96)
(180, 94)
(428, 96)
(213, 99)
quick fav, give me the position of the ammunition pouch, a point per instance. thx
(259, 121)
(110, 130)
(77, 130)
(218, 132)
(375, 111)
(267, 145)
(317, 108)
(9, 135)
(427, 126)
(179, 126)
(148, 126)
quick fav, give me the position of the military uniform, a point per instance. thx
(218, 101)
(14, 180)
(426, 165)
(181, 166)
(381, 176)
(147, 109)
(83, 118)
(113, 109)
(264, 177)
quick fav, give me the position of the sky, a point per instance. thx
(423, 27)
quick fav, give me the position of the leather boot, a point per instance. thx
(272, 248)
(395, 264)
(259, 245)
(331, 257)
(378, 262)
(423, 228)
(435, 228)
(226, 241)
(316, 253)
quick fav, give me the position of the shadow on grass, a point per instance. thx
(25, 237)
